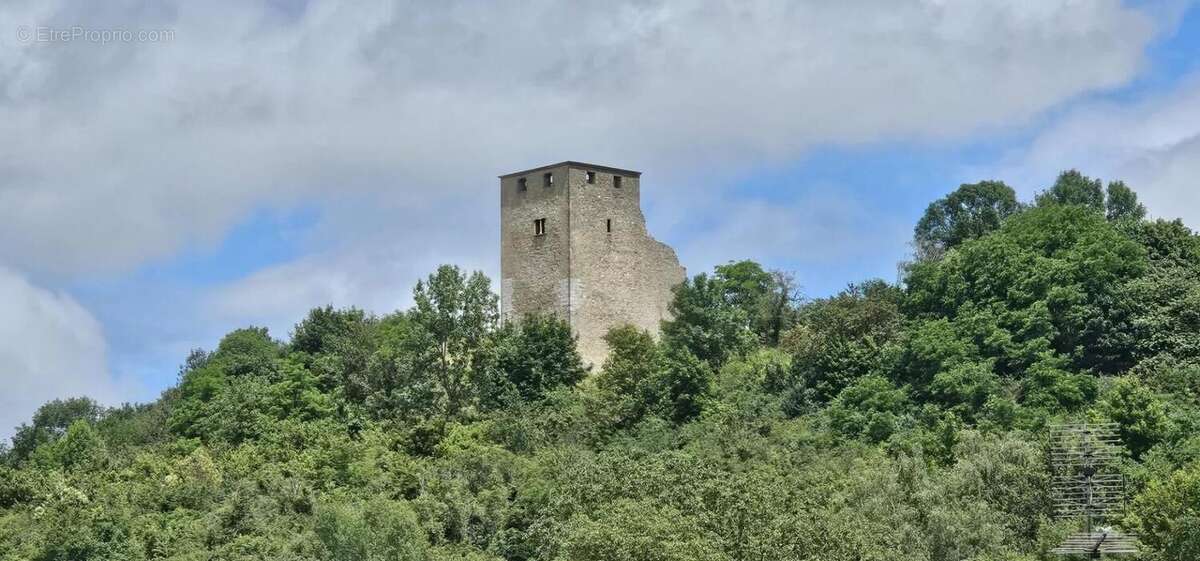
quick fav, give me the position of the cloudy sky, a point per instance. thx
(171, 170)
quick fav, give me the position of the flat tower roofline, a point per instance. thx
(574, 164)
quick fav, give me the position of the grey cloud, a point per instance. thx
(816, 230)
(119, 153)
(1153, 145)
(50, 347)
(364, 257)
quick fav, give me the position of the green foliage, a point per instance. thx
(641, 378)
(1142, 417)
(375, 530)
(135, 425)
(326, 329)
(931, 346)
(745, 284)
(1166, 301)
(297, 394)
(337, 346)
(636, 531)
(965, 388)
(1184, 545)
(450, 322)
(633, 359)
(197, 389)
(71, 528)
(1074, 188)
(1121, 203)
(841, 339)
(681, 386)
(193, 481)
(871, 408)
(1048, 281)
(531, 358)
(1167, 243)
(1008, 471)
(214, 405)
(1048, 385)
(15, 487)
(971, 211)
(778, 308)
(768, 298)
(706, 323)
(884, 422)
(1117, 202)
(394, 387)
(80, 448)
(245, 352)
(49, 423)
(1165, 514)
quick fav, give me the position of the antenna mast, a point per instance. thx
(1087, 485)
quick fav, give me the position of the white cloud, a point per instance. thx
(122, 152)
(279, 296)
(377, 257)
(50, 347)
(1153, 145)
(393, 119)
(817, 230)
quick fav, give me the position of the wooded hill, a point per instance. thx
(887, 422)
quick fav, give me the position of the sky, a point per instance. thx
(173, 170)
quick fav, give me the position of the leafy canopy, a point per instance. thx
(886, 421)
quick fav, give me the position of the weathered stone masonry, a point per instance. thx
(590, 259)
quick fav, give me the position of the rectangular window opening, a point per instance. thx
(608, 225)
(522, 184)
(539, 227)
(548, 179)
(617, 181)
(591, 177)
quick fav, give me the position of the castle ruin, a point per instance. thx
(573, 242)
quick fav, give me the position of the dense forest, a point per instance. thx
(887, 422)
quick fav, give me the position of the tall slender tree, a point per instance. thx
(453, 315)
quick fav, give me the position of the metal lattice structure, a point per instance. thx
(1095, 544)
(1086, 485)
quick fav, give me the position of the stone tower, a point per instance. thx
(573, 242)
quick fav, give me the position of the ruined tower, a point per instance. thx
(573, 242)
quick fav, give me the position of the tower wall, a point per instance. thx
(533, 268)
(596, 265)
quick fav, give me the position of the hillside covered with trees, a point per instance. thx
(890, 421)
